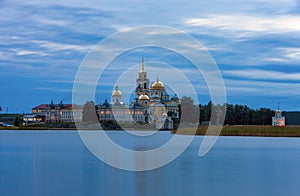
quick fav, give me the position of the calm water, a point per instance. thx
(57, 163)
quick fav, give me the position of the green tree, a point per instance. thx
(18, 121)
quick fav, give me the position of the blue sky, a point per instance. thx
(256, 45)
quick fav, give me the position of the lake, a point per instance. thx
(37, 163)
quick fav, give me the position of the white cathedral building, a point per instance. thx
(151, 104)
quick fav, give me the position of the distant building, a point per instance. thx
(58, 113)
(278, 119)
(31, 119)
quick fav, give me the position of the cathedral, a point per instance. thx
(152, 104)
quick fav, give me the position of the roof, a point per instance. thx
(46, 106)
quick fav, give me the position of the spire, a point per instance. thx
(143, 65)
(116, 87)
(157, 80)
(278, 112)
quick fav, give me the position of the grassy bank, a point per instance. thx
(262, 131)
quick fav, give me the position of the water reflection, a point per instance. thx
(57, 163)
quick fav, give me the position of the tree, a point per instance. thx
(203, 113)
(18, 121)
(89, 113)
(189, 112)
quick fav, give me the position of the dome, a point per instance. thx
(116, 92)
(52, 106)
(165, 114)
(106, 104)
(155, 96)
(157, 85)
(61, 105)
(175, 98)
(143, 97)
(136, 104)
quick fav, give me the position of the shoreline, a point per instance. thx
(251, 130)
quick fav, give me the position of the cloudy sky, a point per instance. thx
(256, 45)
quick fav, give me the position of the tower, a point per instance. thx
(116, 95)
(142, 82)
(278, 119)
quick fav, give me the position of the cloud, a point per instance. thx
(56, 46)
(237, 87)
(291, 53)
(259, 74)
(21, 52)
(54, 89)
(248, 23)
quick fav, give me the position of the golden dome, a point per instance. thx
(116, 92)
(143, 97)
(157, 85)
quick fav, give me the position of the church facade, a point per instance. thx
(152, 104)
(278, 119)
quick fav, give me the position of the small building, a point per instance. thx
(59, 113)
(278, 119)
(32, 119)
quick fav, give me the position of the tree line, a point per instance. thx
(239, 114)
(235, 114)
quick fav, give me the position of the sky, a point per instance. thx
(256, 45)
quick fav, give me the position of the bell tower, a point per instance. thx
(142, 82)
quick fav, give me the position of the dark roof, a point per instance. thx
(175, 97)
(106, 104)
(46, 106)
